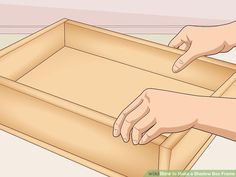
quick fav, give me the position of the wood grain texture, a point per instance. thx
(20, 60)
(230, 88)
(67, 105)
(183, 149)
(74, 133)
(66, 97)
(98, 83)
(151, 57)
(61, 152)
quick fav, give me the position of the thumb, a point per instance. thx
(185, 60)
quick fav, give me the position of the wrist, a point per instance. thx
(194, 109)
(203, 112)
(230, 34)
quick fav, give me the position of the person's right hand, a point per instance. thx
(202, 41)
(155, 112)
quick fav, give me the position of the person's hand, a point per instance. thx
(202, 41)
(155, 112)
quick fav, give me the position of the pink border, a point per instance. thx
(28, 19)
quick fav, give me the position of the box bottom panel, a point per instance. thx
(98, 83)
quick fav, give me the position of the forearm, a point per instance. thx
(218, 116)
(229, 34)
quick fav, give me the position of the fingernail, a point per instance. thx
(175, 69)
(125, 140)
(135, 142)
(116, 133)
(141, 142)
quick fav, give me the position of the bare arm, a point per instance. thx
(155, 112)
(218, 116)
(200, 41)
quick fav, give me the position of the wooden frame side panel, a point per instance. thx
(70, 106)
(61, 152)
(74, 133)
(183, 151)
(231, 91)
(149, 43)
(32, 36)
(166, 149)
(20, 58)
(151, 58)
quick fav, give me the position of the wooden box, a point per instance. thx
(62, 88)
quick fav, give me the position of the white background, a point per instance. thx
(211, 9)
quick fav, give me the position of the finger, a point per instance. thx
(119, 121)
(185, 60)
(142, 126)
(151, 134)
(184, 47)
(176, 41)
(133, 118)
(179, 39)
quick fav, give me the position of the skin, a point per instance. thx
(155, 111)
(202, 41)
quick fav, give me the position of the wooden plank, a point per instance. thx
(98, 83)
(184, 153)
(231, 91)
(67, 105)
(29, 38)
(74, 133)
(166, 149)
(146, 55)
(23, 56)
(61, 152)
(145, 42)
